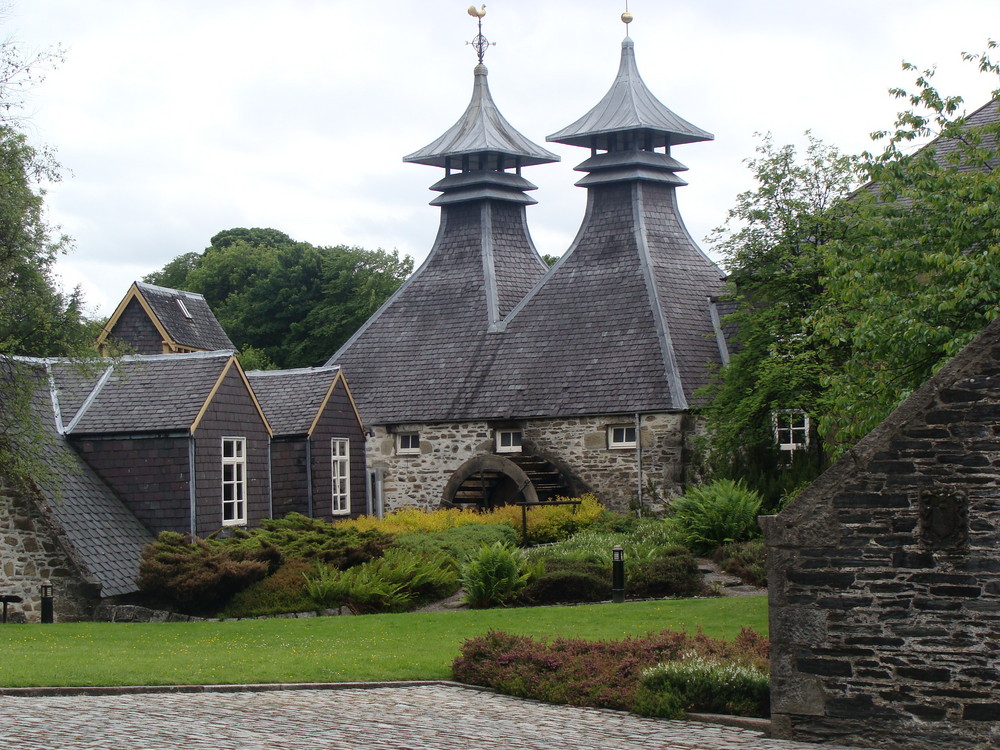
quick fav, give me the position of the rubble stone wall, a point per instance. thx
(884, 577)
(31, 552)
(577, 446)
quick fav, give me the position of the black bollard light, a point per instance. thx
(617, 574)
(47, 614)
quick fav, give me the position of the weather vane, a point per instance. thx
(481, 43)
(626, 17)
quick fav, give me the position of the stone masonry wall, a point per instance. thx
(884, 577)
(578, 446)
(30, 552)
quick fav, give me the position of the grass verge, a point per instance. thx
(371, 648)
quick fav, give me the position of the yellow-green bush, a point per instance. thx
(545, 524)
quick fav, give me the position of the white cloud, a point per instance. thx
(180, 119)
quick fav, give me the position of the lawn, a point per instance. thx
(415, 646)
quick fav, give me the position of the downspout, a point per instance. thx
(379, 499)
(309, 477)
(638, 465)
(192, 485)
(270, 483)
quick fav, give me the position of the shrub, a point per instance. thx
(197, 575)
(703, 684)
(458, 542)
(714, 514)
(568, 580)
(745, 560)
(493, 575)
(282, 591)
(674, 574)
(603, 674)
(393, 583)
(312, 538)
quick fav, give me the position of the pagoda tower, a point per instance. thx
(414, 351)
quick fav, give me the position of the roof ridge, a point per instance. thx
(155, 287)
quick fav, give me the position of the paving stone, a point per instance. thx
(423, 717)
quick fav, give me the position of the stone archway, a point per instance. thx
(488, 481)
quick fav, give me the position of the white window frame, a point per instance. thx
(412, 446)
(789, 424)
(340, 475)
(508, 441)
(234, 481)
(622, 436)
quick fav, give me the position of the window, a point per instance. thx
(508, 441)
(340, 455)
(791, 430)
(408, 443)
(234, 481)
(621, 436)
(183, 307)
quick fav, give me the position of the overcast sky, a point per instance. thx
(180, 118)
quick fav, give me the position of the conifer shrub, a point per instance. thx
(282, 591)
(602, 674)
(714, 514)
(198, 575)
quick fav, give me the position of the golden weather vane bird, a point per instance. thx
(480, 42)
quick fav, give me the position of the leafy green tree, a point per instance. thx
(772, 243)
(292, 303)
(917, 274)
(36, 317)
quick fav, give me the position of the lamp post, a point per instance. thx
(617, 574)
(47, 615)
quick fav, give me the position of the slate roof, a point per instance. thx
(106, 537)
(200, 331)
(622, 324)
(481, 131)
(292, 399)
(629, 106)
(158, 393)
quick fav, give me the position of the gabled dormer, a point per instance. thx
(157, 320)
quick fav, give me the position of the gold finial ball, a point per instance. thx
(626, 17)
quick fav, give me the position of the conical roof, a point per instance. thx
(629, 106)
(482, 131)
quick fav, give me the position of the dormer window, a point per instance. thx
(183, 307)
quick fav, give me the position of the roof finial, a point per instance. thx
(626, 17)
(481, 43)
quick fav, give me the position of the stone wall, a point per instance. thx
(577, 446)
(884, 577)
(31, 551)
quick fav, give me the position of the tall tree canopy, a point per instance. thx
(286, 302)
(36, 317)
(847, 302)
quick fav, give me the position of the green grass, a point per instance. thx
(415, 646)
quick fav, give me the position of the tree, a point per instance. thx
(772, 243)
(292, 303)
(916, 274)
(36, 317)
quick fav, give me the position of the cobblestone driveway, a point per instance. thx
(412, 718)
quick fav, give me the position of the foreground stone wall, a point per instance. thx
(578, 446)
(32, 551)
(884, 577)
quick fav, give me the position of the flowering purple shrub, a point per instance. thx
(602, 674)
